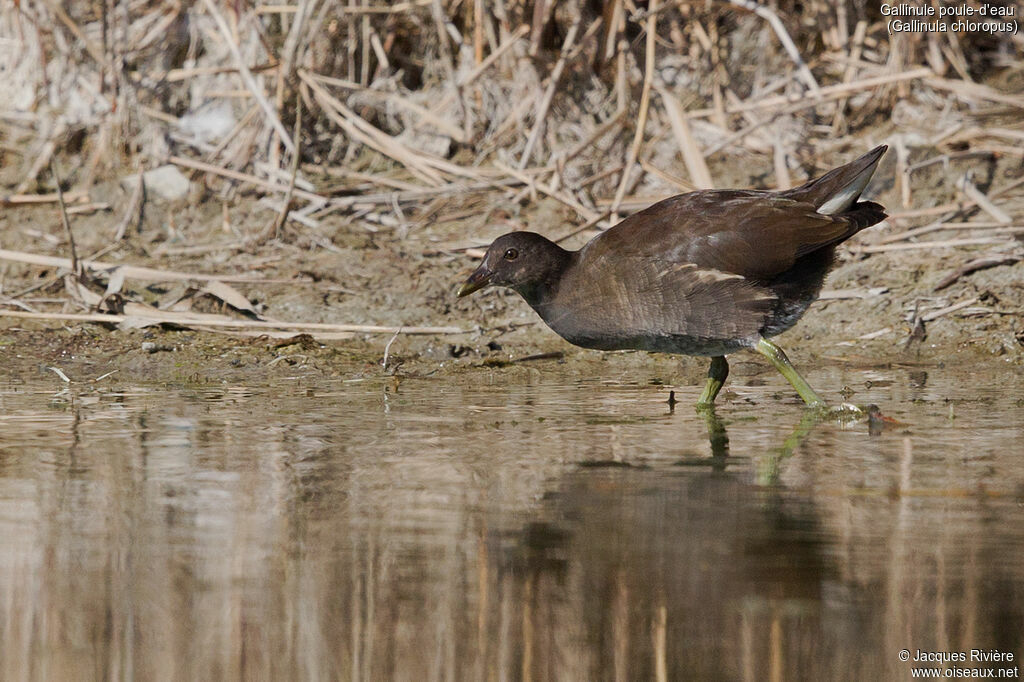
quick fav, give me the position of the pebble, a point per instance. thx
(166, 182)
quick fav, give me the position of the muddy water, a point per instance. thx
(528, 525)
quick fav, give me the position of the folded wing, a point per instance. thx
(657, 304)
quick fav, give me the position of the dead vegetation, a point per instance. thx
(358, 116)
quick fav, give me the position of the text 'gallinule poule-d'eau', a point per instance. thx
(704, 273)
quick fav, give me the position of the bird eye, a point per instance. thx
(511, 254)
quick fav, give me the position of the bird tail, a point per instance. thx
(837, 191)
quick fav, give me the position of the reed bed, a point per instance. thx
(388, 115)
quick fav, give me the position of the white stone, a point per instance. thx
(166, 182)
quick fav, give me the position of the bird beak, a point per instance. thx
(478, 280)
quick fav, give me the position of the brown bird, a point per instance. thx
(704, 273)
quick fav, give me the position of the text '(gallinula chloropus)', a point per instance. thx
(704, 273)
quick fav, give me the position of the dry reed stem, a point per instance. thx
(42, 159)
(247, 77)
(375, 179)
(594, 136)
(62, 16)
(361, 131)
(427, 116)
(88, 208)
(469, 78)
(989, 261)
(74, 264)
(584, 227)
(75, 196)
(545, 103)
(645, 102)
(286, 204)
(597, 177)
(494, 56)
(965, 185)
(902, 171)
(449, 190)
(572, 203)
(971, 91)
(782, 178)
(915, 246)
(218, 321)
(420, 164)
(243, 177)
(397, 8)
(700, 175)
(679, 183)
(135, 208)
(936, 314)
(145, 274)
(857, 45)
(773, 20)
(825, 94)
(939, 227)
(176, 75)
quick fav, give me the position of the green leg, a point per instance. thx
(717, 373)
(770, 467)
(717, 435)
(781, 362)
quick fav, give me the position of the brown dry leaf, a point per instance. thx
(231, 296)
(81, 293)
(115, 283)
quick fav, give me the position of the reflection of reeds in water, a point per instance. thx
(158, 535)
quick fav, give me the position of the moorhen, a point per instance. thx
(704, 273)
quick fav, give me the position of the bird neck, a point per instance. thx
(539, 291)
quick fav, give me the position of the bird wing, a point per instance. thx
(657, 298)
(756, 234)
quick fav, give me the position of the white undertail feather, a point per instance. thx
(838, 203)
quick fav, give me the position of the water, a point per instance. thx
(507, 526)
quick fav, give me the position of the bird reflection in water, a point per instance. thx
(633, 572)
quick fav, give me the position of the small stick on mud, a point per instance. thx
(913, 246)
(64, 377)
(135, 209)
(297, 136)
(387, 349)
(202, 320)
(965, 185)
(976, 264)
(76, 266)
(141, 273)
(243, 177)
(936, 314)
(23, 199)
(989, 227)
(89, 208)
(902, 172)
